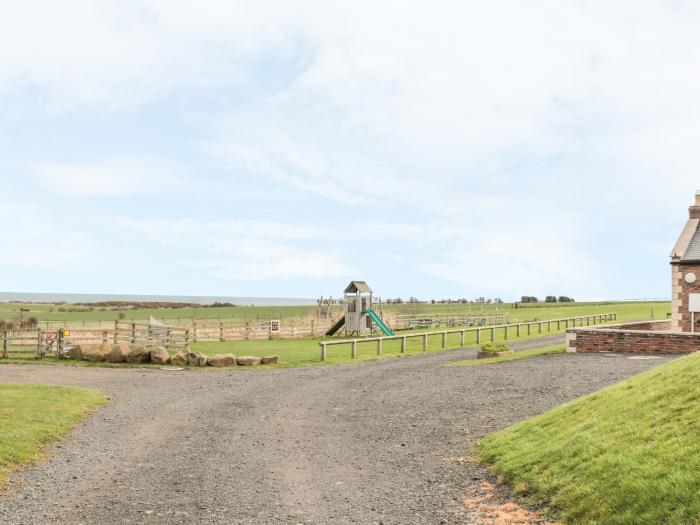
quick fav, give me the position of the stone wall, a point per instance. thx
(630, 339)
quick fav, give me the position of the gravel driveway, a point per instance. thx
(365, 443)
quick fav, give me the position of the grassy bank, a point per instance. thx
(629, 454)
(33, 415)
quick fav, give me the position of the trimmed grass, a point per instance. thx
(33, 415)
(524, 312)
(516, 356)
(629, 454)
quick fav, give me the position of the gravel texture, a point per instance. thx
(378, 442)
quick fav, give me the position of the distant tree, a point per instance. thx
(498, 300)
(550, 299)
(412, 300)
(432, 301)
(529, 299)
(121, 315)
(398, 300)
(565, 299)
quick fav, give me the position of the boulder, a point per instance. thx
(222, 360)
(95, 353)
(270, 360)
(197, 359)
(139, 354)
(160, 356)
(248, 360)
(180, 359)
(118, 353)
(75, 352)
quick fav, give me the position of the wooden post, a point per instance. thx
(133, 333)
(461, 340)
(194, 333)
(539, 327)
(187, 339)
(323, 350)
(247, 330)
(167, 338)
(425, 342)
(529, 328)
(558, 325)
(39, 353)
(221, 332)
(444, 340)
(549, 326)
(104, 337)
(379, 346)
(505, 333)
(403, 344)
(353, 353)
(478, 336)
(116, 333)
(493, 334)
(5, 353)
(517, 330)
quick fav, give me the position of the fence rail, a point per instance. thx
(570, 322)
(39, 342)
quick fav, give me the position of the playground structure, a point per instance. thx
(359, 319)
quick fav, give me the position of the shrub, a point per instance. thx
(495, 347)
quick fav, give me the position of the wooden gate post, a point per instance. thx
(39, 337)
(353, 353)
(116, 333)
(221, 332)
(425, 342)
(379, 346)
(133, 333)
(5, 354)
(323, 351)
(478, 336)
(403, 344)
(444, 340)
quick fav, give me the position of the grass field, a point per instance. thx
(516, 356)
(629, 454)
(33, 415)
(48, 312)
(306, 351)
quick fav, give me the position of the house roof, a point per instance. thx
(688, 246)
(358, 286)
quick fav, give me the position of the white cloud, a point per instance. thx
(109, 178)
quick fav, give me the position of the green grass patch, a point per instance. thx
(629, 454)
(33, 415)
(516, 356)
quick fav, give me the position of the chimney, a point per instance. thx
(695, 210)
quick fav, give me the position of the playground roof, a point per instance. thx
(358, 286)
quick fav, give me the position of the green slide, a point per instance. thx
(377, 320)
(337, 326)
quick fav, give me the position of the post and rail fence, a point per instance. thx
(515, 328)
(39, 342)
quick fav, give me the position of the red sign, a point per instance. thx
(48, 336)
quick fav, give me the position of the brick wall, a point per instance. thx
(626, 340)
(681, 290)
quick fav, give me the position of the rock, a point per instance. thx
(248, 360)
(180, 359)
(96, 353)
(222, 360)
(160, 356)
(75, 352)
(197, 359)
(118, 353)
(270, 360)
(139, 354)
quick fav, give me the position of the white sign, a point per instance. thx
(694, 302)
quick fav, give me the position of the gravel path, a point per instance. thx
(365, 443)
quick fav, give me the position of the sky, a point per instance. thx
(273, 148)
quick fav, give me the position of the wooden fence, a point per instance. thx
(516, 329)
(38, 342)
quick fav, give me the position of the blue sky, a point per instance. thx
(435, 149)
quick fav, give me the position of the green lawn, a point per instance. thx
(629, 454)
(516, 356)
(33, 415)
(50, 312)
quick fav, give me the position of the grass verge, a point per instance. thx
(629, 454)
(33, 415)
(516, 356)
